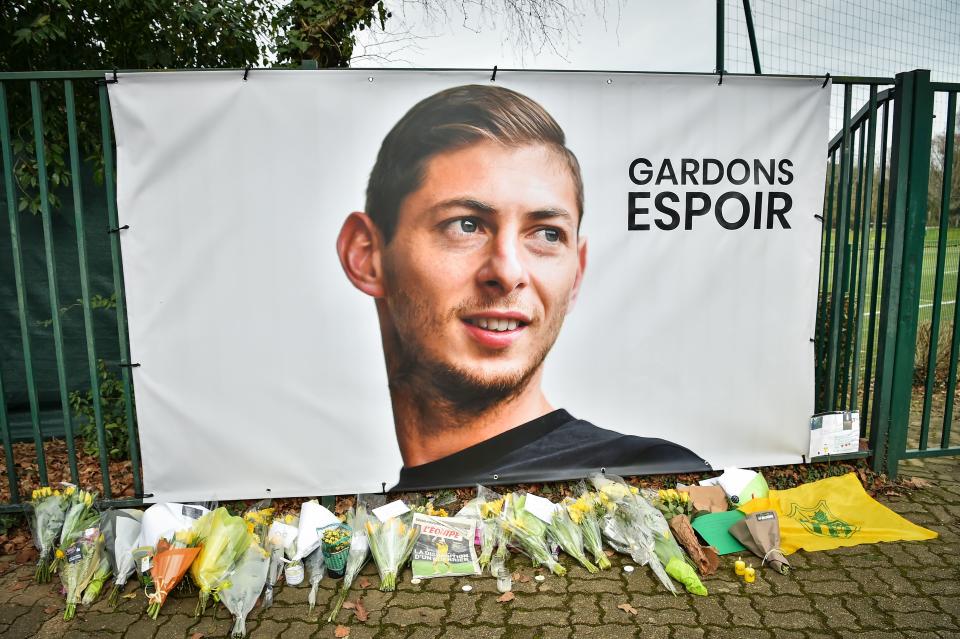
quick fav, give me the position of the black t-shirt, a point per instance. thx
(554, 447)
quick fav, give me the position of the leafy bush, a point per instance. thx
(113, 406)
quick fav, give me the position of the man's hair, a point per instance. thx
(450, 120)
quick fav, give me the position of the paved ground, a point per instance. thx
(883, 590)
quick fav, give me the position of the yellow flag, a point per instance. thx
(832, 513)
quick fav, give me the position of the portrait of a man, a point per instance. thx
(470, 247)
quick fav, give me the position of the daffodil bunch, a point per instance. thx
(529, 533)
(672, 503)
(258, 521)
(583, 512)
(566, 532)
(81, 516)
(48, 508)
(81, 560)
(223, 541)
(391, 543)
(359, 553)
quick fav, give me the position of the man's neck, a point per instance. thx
(430, 430)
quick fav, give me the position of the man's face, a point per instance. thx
(483, 266)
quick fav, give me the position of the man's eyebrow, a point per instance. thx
(488, 209)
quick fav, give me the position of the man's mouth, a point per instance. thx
(498, 324)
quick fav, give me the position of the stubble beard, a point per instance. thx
(440, 388)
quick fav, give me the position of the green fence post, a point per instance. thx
(903, 265)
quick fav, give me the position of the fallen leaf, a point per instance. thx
(519, 577)
(132, 595)
(49, 610)
(197, 635)
(628, 608)
(348, 605)
(361, 612)
(609, 553)
(364, 582)
(505, 597)
(341, 631)
(26, 555)
(917, 482)
(20, 585)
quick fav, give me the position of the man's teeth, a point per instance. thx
(495, 324)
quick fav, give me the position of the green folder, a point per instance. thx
(715, 530)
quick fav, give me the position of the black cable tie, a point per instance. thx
(825, 80)
(246, 72)
(124, 365)
(119, 228)
(812, 339)
(113, 81)
(818, 216)
(383, 487)
(493, 78)
(721, 78)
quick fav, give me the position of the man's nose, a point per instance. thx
(504, 268)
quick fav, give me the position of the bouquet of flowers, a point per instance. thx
(171, 560)
(587, 512)
(280, 536)
(121, 529)
(240, 593)
(672, 503)
(486, 508)
(48, 510)
(335, 548)
(258, 518)
(391, 543)
(224, 540)
(359, 553)
(566, 532)
(100, 576)
(80, 517)
(81, 560)
(674, 561)
(629, 524)
(529, 533)
(316, 568)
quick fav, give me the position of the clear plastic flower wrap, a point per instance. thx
(391, 543)
(100, 576)
(246, 583)
(359, 554)
(280, 536)
(315, 567)
(587, 512)
(529, 533)
(566, 532)
(80, 562)
(224, 540)
(121, 529)
(630, 524)
(81, 516)
(48, 509)
(486, 508)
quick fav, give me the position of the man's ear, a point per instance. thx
(581, 268)
(359, 247)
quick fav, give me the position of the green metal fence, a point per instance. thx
(884, 275)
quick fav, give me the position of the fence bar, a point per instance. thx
(827, 233)
(931, 376)
(839, 267)
(124, 344)
(944, 213)
(13, 217)
(913, 118)
(752, 34)
(875, 283)
(52, 286)
(85, 291)
(8, 445)
(851, 342)
(865, 244)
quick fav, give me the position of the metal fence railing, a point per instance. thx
(888, 273)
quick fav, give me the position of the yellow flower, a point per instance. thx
(70, 490)
(288, 519)
(60, 554)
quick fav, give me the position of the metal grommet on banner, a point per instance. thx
(246, 72)
(825, 80)
(493, 78)
(495, 477)
(720, 81)
(118, 229)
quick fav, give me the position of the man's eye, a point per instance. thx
(468, 226)
(551, 235)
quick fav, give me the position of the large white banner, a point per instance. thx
(270, 295)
